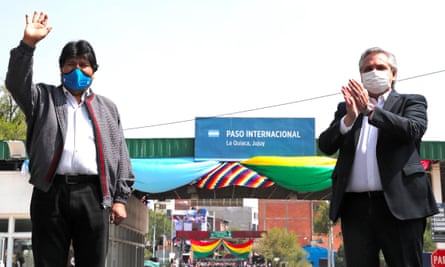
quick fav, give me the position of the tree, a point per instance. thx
(321, 217)
(12, 119)
(281, 244)
(160, 225)
(340, 259)
(429, 245)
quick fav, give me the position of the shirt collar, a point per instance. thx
(382, 99)
(70, 96)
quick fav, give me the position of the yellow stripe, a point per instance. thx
(290, 161)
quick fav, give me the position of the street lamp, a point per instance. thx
(276, 259)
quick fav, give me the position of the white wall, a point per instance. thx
(15, 193)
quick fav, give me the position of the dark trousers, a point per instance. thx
(369, 227)
(69, 213)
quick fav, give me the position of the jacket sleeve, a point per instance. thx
(330, 140)
(126, 176)
(19, 77)
(405, 121)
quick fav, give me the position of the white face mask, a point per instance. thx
(376, 81)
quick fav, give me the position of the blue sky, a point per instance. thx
(166, 62)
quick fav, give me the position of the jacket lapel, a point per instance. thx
(392, 99)
(60, 107)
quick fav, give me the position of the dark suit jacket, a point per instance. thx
(401, 122)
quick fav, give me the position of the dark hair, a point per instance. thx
(79, 48)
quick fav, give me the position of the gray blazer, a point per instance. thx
(401, 122)
(46, 115)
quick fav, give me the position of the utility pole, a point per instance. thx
(331, 260)
(154, 240)
(163, 242)
(172, 229)
(163, 248)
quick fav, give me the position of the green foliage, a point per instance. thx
(340, 258)
(12, 119)
(428, 245)
(279, 243)
(321, 217)
(159, 225)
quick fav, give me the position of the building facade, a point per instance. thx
(126, 243)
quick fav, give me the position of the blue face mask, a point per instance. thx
(76, 80)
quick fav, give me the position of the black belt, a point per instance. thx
(75, 179)
(368, 194)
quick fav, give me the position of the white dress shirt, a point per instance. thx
(365, 174)
(79, 151)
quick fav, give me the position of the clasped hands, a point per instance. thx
(356, 98)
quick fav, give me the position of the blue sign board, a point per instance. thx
(233, 139)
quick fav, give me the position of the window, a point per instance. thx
(3, 225)
(22, 225)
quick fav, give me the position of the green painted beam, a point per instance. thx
(185, 147)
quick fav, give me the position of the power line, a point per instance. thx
(421, 75)
(271, 106)
(235, 112)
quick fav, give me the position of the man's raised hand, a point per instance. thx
(36, 29)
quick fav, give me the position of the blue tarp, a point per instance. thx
(315, 254)
(149, 263)
(165, 174)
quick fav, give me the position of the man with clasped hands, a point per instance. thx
(380, 189)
